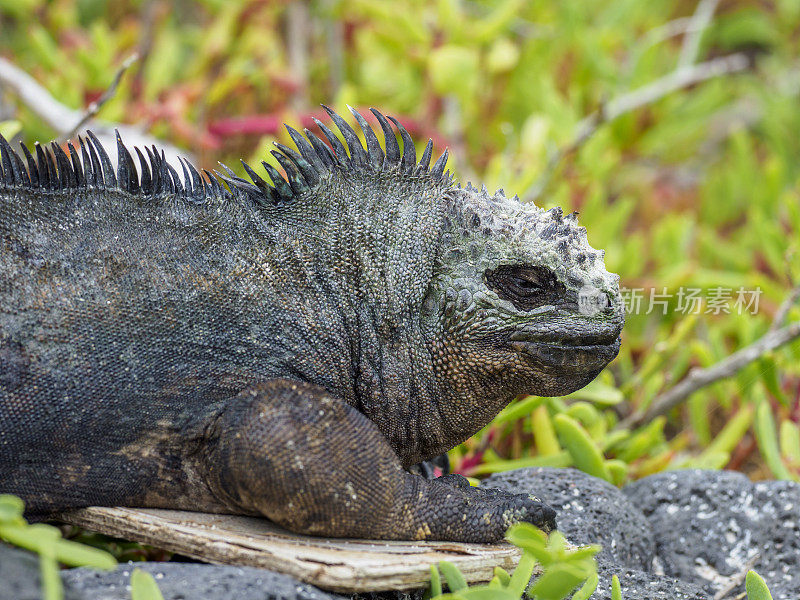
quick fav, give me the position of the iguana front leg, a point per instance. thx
(315, 465)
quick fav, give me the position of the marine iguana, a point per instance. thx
(287, 349)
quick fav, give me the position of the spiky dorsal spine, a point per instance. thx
(89, 166)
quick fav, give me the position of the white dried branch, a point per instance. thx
(60, 118)
(694, 32)
(699, 378)
(678, 79)
(784, 308)
(95, 106)
(736, 580)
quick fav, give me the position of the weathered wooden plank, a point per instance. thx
(332, 564)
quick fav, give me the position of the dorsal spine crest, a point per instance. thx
(89, 166)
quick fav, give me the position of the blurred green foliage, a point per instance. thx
(46, 541)
(564, 572)
(563, 569)
(699, 188)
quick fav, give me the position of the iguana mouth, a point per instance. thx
(573, 356)
(590, 351)
(603, 337)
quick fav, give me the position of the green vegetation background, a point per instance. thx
(697, 188)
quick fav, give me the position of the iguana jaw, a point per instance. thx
(567, 351)
(568, 356)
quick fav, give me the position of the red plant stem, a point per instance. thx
(742, 452)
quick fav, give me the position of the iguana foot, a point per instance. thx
(315, 465)
(545, 518)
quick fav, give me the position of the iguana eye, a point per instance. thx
(527, 282)
(525, 286)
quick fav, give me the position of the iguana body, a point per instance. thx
(288, 349)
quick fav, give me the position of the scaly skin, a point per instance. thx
(290, 350)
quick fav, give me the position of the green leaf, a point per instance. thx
(23, 536)
(8, 129)
(503, 56)
(453, 69)
(583, 552)
(518, 410)
(52, 588)
(44, 538)
(582, 448)
(502, 576)
(74, 554)
(708, 461)
(599, 393)
(436, 582)
(44, 46)
(770, 379)
(522, 574)
(699, 417)
(746, 27)
(756, 587)
(455, 580)
(616, 440)
(560, 460)
(11, 508)
(644, 441)
(491, 25)
(588, 588)
(733, 432)
(790, 441)
(618, 470)
(40, 537)
(544, 435)
(558, 581)
(482, 592)
(527, 537)
(767, 439)
(144, 587)
(584, 413)
(616, 589)
(557, 544)
(19, 8)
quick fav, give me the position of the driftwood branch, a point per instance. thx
(60, 118)
(342, 565)
(678, 79)
(776, 336)
(95, 106)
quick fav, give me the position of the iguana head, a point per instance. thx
(519, 301)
